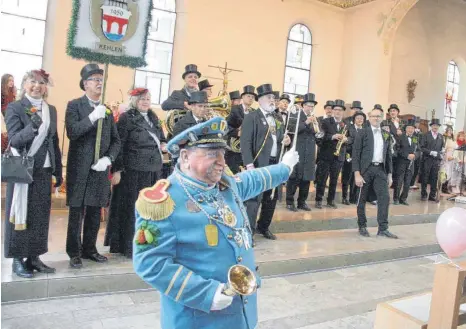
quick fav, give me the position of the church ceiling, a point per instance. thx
(345, 3)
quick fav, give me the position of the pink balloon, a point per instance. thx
(451, 231)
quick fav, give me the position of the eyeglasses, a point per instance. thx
(98, 80)
(376, 116)
(33, 82)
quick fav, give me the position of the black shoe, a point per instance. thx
(268, 235)
(331, 204)
(404, 203)
(363, 231)
(387, 234)
(291, 207)
(34, 263)
(424, 198)
(396, 202)
(346, 202)
(304, 207)
(433, 199)
(352, 201)
(96, 257)
(319, 204)
(20, 269)
(76, 262)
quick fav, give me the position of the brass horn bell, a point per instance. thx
(241, 281)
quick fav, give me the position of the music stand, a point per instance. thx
(461, 148)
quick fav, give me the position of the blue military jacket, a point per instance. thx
(172, 253)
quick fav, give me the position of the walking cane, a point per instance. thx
(98, 138)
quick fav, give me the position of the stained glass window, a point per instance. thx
(298, 60)
(451, 93)
(156, 75)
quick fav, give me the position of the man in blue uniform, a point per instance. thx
(192, 228)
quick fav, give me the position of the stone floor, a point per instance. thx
(344, 298)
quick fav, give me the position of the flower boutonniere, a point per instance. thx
(32, 110)
(414, 140)
(342, 126)
(278, 123)
(385, 135)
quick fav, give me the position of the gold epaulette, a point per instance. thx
(228, 171)
(154, 203)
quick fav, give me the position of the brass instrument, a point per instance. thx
(315, 124)
(340, 142)
(172, 117)
(219, 106)
(241, 281)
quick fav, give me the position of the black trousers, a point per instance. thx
(292, 185)
(346, 178)
(430, 176)
(91, 217)
(326, 168)
(234, 161)
(395, 170)
(404, 180)
(267, 208)
(375, 179)
(416, 165)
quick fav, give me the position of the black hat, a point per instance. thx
(204, 84)
(393, 106)
(276, 94)
(265, 89)
(435, 122)
(356, 105)
(234, 95)
(191, 68)
(359, 113)
(286, 97)
(251, 90)
(410, 122)
(378, 107)
(310, 97)
(87, 71)
(198, 97)
(339, 103)
(329, 103)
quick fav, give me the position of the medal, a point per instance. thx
(192, 207)
(228, 216)
(211, 234)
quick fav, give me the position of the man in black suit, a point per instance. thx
(372, 166)
(282, 109)
(396, 130)
(205, 86)
(178, 100)
(432, 145)
(408, 152)
(235, 97)
(418, 162)
(328, 111)
(261, 138)
(329, 163)
(198, 112)
(235, 120)
(88, 186)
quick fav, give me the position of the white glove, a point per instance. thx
(390, 179)
(433, 153)
(220, 301)
(291, 158)
(98, 113)
(102, 164)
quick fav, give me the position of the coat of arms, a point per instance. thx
(115, 19)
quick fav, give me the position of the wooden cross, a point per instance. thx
(225, 71)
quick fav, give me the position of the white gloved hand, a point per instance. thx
(390, 180)
(433, 153)
(98, 113)
(291, 158)
(220, 301)
(102, 164)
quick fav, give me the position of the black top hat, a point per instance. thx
(339, 103)
(310, 97)
(191, 68)
(410, 122)
(358, 112)
(356, 105)
(435, 122)
(393, 106)
(329, 103)
(234, 95)
(204, 84)
(286, 97)
(265, 89)
(251, 90)
(87, 71)
(276, 94)
(198, 97)
(378, 107)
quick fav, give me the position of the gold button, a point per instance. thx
(240, 259)
(200, 200)
(230, 236)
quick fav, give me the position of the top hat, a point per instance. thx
(207, 134)
(329, 103)
(358, 112)
(435, 122)
(378, 107)
(234, 95)
(356, 105)
(198, 97)
(204, 84)
(311, 98)
(276, 94)
(87, 71)
(265, 89)
(393, 106)
(191, 68)
(410, 122)
(286, 97)
(249, 90)
(339, 103)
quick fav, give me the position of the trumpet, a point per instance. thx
(241, 281)
(340, 142)
(315, 125)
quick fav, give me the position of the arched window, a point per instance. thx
(298, 60)
(451, 94)
(156, 75)
(23, 45)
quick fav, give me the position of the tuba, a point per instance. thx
(241, 281)
(219, 106)
(172, 117)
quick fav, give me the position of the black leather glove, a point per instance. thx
(36, 121)
(58, 181)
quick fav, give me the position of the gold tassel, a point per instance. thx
(155, 211)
